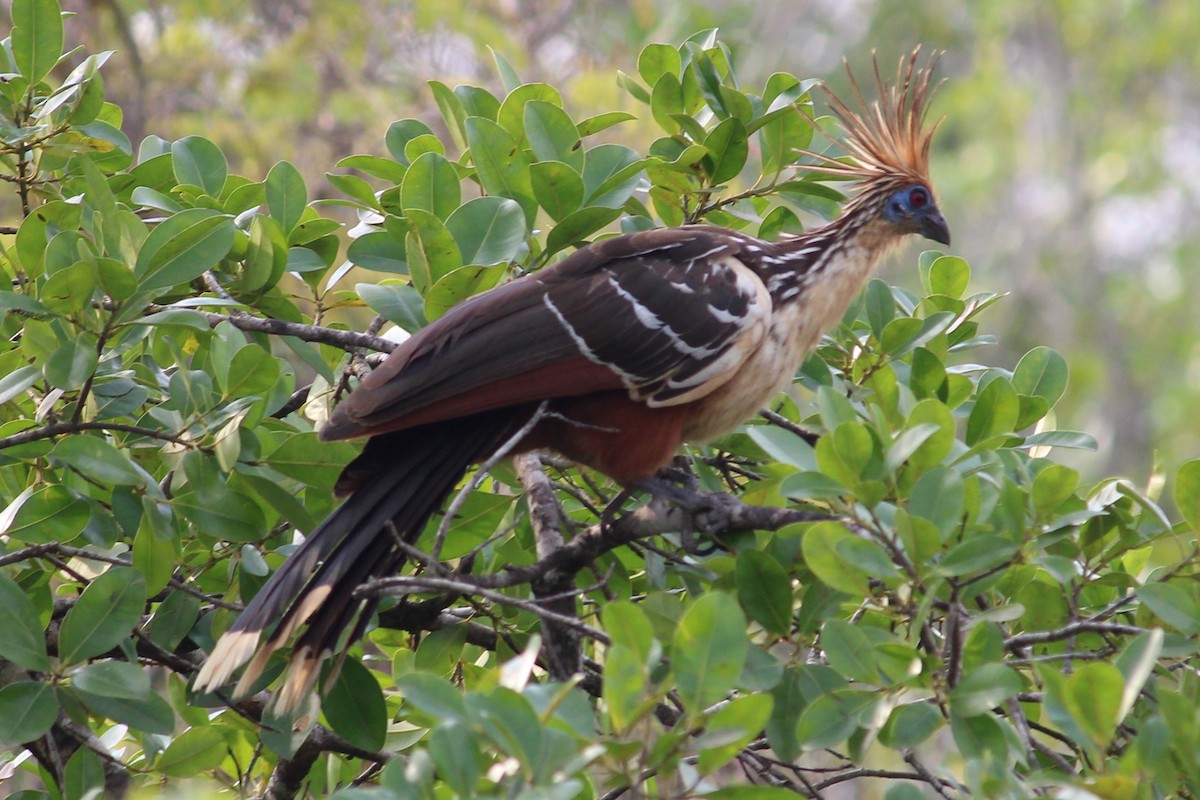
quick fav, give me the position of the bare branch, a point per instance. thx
(66, 428)
(1073, 629)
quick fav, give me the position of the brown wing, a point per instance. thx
(663, 314)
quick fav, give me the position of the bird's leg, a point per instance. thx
(613, 510)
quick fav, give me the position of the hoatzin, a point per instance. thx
(626, 349)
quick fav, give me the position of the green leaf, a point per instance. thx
(910, 724)
(557, 187)
(22, 635)
(354, 706)
(71, 289)
(1041, 372)
(611, 174)
(1069, 439)
(28, 710)
(72, 363)
(1187, 492)
(820, 548)
(431, 250)
(764, 590)
(657, 60)
(401, 132)
(37, 41)
(236, 519)
(939, 496)
(983, 689)
(104, 615)
(977, 554)
(625, 689)
(593, 125)
(995, 412)
(709, 650)
(579, 225)
(16, 382)
(53, 513)
(199, 162)
(728, 148)
(455, 751)
(552, 134)
(117, 679)
(730, 729)
(949, 275)
(458, 285)
(1136, 663)
(1172, 604)
(666, 103)
(183, 247)
(399, 303)
(84, 776)
(1093, 697)
(174, 618)
(253, 372)
(1052, 487)
(488, 230)
(192, 753)
(287, 195)
(849, 651)
(627, 626)
(907, 443)
(379, 251)
(431, 184)
(436, 699)
(832, 717)
(99, 460)
(501, 164)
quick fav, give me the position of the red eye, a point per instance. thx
(918, 198)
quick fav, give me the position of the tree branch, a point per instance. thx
(562, 646)
(1073, 629)
(347, 340)
(64, 428)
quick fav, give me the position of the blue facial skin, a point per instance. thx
(913, 209)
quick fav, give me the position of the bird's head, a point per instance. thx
(912, 210)
(887, 151)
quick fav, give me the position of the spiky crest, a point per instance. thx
(887, 138)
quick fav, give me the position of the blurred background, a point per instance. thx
(1068, 164)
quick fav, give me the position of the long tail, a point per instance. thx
(401, 478)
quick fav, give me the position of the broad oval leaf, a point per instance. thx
(488, 230)
(199, 162)
(22, 637)
(1041, 372)
(286, 195)
(37, 42)
(431, 184)
(104, 615)
(28, 709)
(99, 460)
(193, 752)
(764, 590)
(354, 706)
(709, 650)
(183, 247)
(983, 689)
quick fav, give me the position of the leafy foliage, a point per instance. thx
(922, 592)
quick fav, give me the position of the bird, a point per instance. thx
(612, 357)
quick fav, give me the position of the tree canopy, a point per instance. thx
(904, 588)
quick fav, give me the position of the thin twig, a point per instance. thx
(65, 428)
(476, 479)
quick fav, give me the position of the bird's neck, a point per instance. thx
(839, 255)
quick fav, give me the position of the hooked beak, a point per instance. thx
(932, 225)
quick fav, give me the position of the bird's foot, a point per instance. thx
(706, 512)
